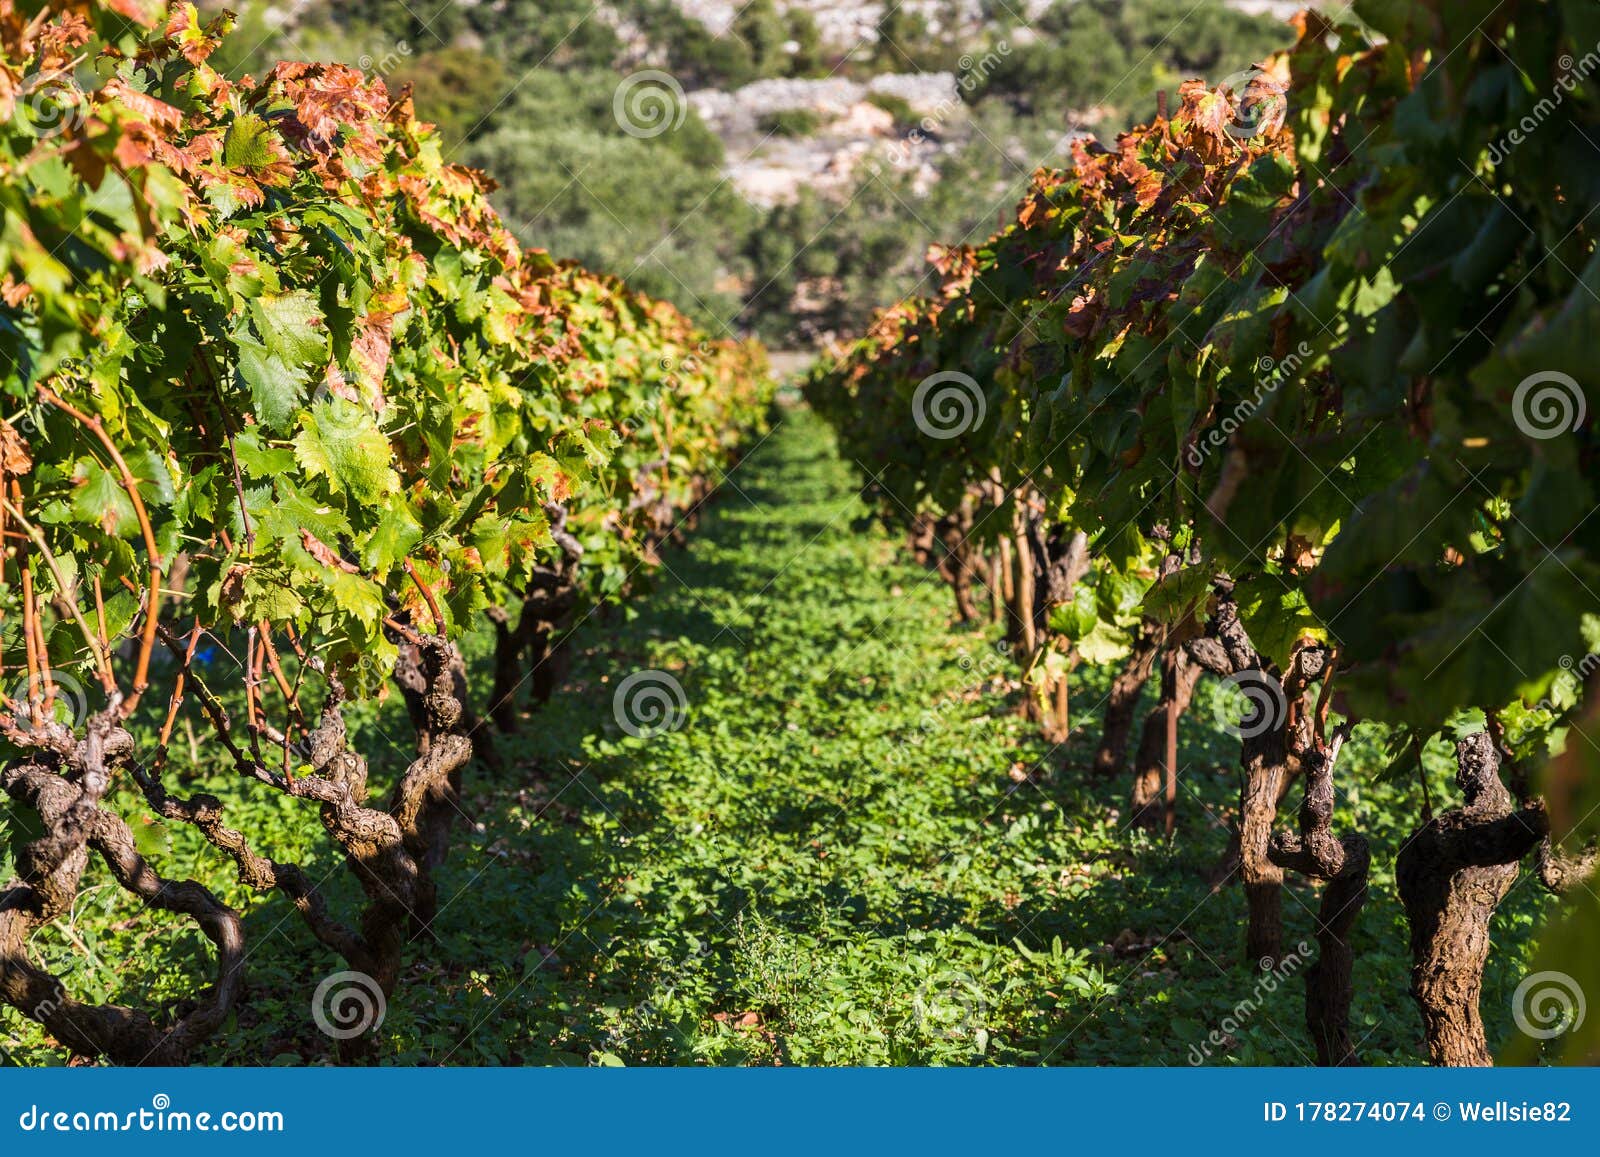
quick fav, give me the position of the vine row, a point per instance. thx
(284, 413)
(1290, 389)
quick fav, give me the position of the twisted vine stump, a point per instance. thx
(920, 539)
(1452, 875)
(1049, 565)
(528, 651)
(1158, 740)
(958, 558)
(428, 797)
(1022, 629)
(1343, 863)
(63, 781)
(1269, 737)
(1061, 561)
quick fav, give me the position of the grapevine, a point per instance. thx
(1303, 364)
(279, 386)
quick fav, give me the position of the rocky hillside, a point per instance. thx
(782, 135)
(845, 122)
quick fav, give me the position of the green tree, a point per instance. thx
(546, 34)
(1110, 54)
(654, 211)
(902, 38)
(807, 58)
(762, 30)
(456, 88)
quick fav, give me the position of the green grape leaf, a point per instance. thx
(249, 143)
(290, 325)
(276, 387)
(341, 442)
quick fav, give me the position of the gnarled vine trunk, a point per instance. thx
(392, 852)
(527, 652)
(1266, 759)
(1343, 863)
(1452, 875)
(63, 782)
(958, 557)
(921, 539)
(1263, 760)
(1049, 567)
